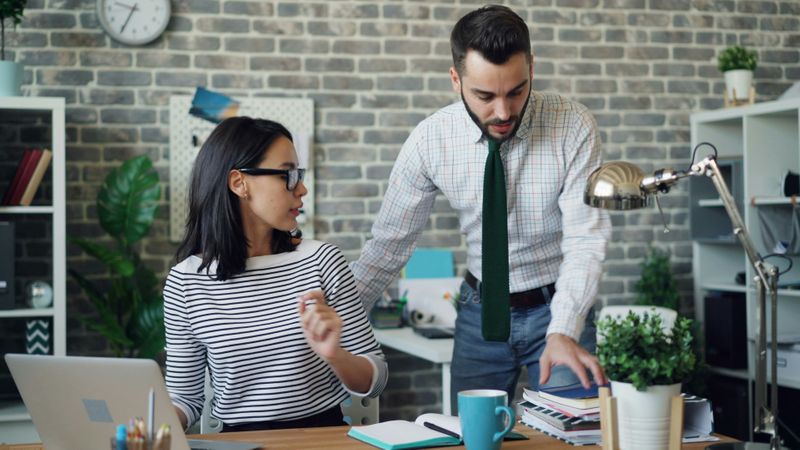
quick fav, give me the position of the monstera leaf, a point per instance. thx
(129, 307)
(128, 201)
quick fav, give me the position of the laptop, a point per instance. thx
(77, 402)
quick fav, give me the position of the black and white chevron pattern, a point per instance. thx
(37, 337)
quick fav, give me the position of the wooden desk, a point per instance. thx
(438, 351)
(333, 438)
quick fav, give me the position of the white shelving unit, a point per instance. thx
(15, 424)
(764, 141)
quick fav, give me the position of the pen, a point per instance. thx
(151, 405)
(435, 427)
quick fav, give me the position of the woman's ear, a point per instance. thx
(237, 184)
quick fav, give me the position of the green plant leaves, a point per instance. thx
(737, 58)
(656, 285)
(635, 349)
(129, 307)
(127, 201)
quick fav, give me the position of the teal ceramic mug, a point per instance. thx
(484, 418)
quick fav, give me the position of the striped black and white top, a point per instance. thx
(247, 331)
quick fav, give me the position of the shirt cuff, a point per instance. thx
(380, 376)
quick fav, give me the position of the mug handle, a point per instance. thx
(500, 410)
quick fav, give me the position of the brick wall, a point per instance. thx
(374, 69)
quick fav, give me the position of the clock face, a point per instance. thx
(133, 22)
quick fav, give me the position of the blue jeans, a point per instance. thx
(479, 364)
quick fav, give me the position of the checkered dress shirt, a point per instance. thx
(553, 236)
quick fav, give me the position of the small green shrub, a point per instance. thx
(634, 349)
(9, 9)
(737, 58)
(657, 286)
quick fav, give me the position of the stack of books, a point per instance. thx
(29, 174)
(569, 413)
(572, 414)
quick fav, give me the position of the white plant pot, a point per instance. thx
(643, 417)
(738, 81)
(11, 76)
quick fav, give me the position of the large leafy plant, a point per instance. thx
(635, 349)
(129, 305)
(9, 9)
(657, 286)
(737, 58)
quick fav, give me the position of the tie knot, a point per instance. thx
(494, 145)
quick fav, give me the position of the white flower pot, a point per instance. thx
(11, 76)
(737, 83)
(643, 417)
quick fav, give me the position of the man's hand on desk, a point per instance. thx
(561, 349)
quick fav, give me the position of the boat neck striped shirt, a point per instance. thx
(246, 330)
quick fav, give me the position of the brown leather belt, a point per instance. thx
(527, 299)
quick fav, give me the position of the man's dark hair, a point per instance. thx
(494, 31)
(214, 229)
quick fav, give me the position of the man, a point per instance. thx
(534, 250)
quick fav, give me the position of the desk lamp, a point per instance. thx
(623, 186)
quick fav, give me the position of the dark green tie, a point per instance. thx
(495, 316)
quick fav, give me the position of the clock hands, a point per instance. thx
(127, 19)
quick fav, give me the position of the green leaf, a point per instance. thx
(115, 260)
(128, 200)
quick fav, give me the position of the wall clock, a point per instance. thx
(134, 22)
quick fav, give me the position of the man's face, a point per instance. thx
(495, 95)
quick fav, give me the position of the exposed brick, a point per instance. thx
(237, 81)
(154, 60)
(64, 77)
(123, 78)
(278, 27)
(329, 65)
(341, 82)
(249, 44)
(381, 65)
(48, 21)
(110, 58)
(295, 46)
(327, 28)
(275, 63)
(220, 62)
(192, 42)
(196, 6)
(47, 58)
(393, 11)
(252, 9)
(383, 29)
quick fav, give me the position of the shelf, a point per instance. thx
(26, 210)
(710, 202)
(13, 412)
(733, 373)
(727, 287)
(27, 312)
(771, 201)
(722, 240)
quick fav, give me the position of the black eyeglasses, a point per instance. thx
(293, 176)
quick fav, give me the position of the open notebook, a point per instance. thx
(77, 402)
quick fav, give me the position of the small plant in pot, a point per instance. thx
(646, 365)
(11, 73)
(738, 64)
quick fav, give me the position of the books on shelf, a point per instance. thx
(27, 178)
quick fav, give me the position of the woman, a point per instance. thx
(276, 320)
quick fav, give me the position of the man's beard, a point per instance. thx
(485, 126)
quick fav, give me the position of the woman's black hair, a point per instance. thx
(494, 31)
(214, 226)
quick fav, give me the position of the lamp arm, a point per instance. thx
(766, 282)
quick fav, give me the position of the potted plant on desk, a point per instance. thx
(738, 65)
(11, 73)
(646, 365)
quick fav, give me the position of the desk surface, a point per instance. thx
(404, 339)
(333, 438)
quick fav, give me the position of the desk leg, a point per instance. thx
(446, 389)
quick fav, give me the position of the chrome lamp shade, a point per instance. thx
(617, 186)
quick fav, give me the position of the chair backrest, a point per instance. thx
(358, 410)
(668, 315)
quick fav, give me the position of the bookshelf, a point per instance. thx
(757, 145)
(21, 117)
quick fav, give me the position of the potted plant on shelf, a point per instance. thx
(130, 307)
(646, 365)
(738, 64)
(11, 73)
